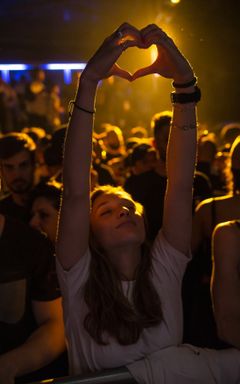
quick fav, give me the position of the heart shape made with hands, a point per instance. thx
(127, 66)
(127, 74)
(153, 68)
(170, 63)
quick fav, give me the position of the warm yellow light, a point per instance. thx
(153, 53)
(175, 1)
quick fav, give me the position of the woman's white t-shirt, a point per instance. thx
(84, 353)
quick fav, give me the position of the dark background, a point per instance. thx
(207, 31)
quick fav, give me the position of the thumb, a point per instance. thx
(143, 72)
(116, 70)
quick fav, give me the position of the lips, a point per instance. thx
(126, 223)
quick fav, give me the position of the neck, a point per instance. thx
(20, 199)
(126, 261)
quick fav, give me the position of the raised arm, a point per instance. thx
(177, 218)
(182, 141)
(73, 231)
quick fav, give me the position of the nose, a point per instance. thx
(35, 222)
(16, 173)
(124, 211)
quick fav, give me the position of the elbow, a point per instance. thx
(56, 344)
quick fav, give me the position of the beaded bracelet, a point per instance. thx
(73, 104)
(185, 85)
(185, 127)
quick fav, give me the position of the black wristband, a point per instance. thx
(185, 85)
(184, 98)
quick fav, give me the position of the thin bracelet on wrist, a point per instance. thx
(73, 104)
(185, 127)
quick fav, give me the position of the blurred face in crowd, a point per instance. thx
(18, 172)
(146, 164)
(161, 141)
(44, 217)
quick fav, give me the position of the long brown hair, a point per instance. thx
(109, 310)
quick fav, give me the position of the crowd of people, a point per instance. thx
(30, 101)
(118, 250)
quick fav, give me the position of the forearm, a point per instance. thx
(78, 145)
(181, 156)
(42, 347)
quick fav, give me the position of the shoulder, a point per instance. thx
(226, 231)
(226, 242)
(204, 205)
(169, 256)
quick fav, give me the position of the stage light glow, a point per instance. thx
(6, 68)
(13, 67)
(175, 1)
(153, 53)
(64, 66)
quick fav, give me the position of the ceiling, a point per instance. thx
(71, 29)
(39, 31)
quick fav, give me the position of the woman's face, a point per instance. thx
(117, 222)
(44, 217)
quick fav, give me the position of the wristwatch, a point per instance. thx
(184, 98)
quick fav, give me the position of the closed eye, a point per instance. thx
(43, 215)
(105, 212)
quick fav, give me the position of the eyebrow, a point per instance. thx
(100, 205)
(123, 200)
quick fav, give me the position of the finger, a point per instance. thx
(148, 28)
(118, 71)
(127, 28)
(147, 31)
(155, 36)
(143, 72)
(127, 32)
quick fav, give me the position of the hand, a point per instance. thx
(103, 63)
(170, 62)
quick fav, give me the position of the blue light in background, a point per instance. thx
(65, 67)
(6, 68)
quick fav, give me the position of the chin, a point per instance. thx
(130, 239)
